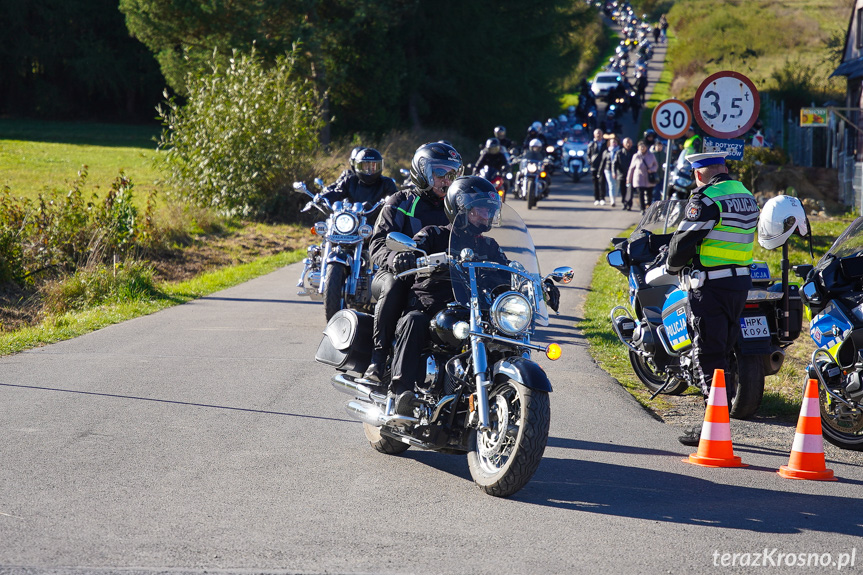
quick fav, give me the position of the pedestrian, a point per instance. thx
(606, 166)
(594, 157)
(656, 31)
(642, 175)
(663, 26)
(621, 169)
(635, 106)
(658, 151)
(715, 240)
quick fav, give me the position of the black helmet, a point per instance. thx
(368, 165)
(492, 145)
(469, 193)
(499, 132)
(356, 150)
(432, 159)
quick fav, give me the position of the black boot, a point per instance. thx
(406, 402)
(691, 435)
(377, 367)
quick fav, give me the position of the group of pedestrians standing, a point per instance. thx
(621, 171)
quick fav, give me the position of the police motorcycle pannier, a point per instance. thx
(347, 341)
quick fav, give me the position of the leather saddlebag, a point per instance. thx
(347, 342)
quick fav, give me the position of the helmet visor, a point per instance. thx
(443, 172)
(369, 168)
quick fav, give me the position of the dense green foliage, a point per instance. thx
(243, 134)
(388, 64)
(73, 59)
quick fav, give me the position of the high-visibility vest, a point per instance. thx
(689, 145)
(731, 239)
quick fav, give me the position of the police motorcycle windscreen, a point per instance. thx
(521, 276)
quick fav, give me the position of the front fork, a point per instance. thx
(480, 367)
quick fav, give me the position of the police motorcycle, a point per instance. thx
(338, 270)
(656, 331)
(482, 395)
(681, 181)
(833, 292)
(574, 149)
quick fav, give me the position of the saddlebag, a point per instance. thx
(347, 342)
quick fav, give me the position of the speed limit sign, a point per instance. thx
(726, 105)
(671, 118)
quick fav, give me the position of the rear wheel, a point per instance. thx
(654, 378)
(749, 390)
(334, 287)
(503, 459)
(383, 443)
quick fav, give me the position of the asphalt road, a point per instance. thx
(205, 438)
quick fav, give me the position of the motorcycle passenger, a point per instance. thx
(493, 156)
(365, 183)
(471, 206)
(433, 169)
(715, 240)
(594, 158)
(500, 134)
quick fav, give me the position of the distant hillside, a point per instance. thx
(786, 47)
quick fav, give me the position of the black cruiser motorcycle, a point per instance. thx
(339, 270)
(482, 395)
(656, 331)
(833, 291)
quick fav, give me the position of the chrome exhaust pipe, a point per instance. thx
(347, 384)
(372, 414)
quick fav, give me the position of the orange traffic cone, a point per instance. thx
(714, 447)
(807, 451)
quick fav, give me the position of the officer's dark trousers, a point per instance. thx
(411, 335)
(598, 185)
(392, 295)
(714, 314)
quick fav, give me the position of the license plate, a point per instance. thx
(755, 326)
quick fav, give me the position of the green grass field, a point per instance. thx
(36, 156)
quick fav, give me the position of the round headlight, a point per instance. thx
(511, 313)
(531, 168)
(549, 149)
(345, 223)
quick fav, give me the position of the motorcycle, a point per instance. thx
(502, 180)
(338, 270)
(482, 395)
(575, 157)
(681, 182)
(532, 181)
(657, 334)
(833, 292)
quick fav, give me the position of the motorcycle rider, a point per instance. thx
(433, 169)
(594, 158)
(492, 155)
(471, 205)
(500, 134)
(715, 240)
(364, 183)
(534, 132)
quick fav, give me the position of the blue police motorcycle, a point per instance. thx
(655, 329)
(833, 291)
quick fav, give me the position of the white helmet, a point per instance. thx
(535, 145)
(781, 217)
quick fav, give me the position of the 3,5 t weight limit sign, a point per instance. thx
(671, 118)
(726, 105)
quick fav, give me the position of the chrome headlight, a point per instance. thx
(345, 223)
(511, 313)
(531, 168)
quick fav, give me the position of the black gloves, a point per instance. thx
(404, 261)
(552, 294)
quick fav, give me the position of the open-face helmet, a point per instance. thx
(368, 165)
(472, 204)
(492, 146)
(781, 217)
(535, 145)
(435, 159)
(499, 132)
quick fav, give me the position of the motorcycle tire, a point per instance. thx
(383, 443)
(576, 176)
(749, 389)
(531, 194)
(334, 286)
(651, 379)
(502, 461)
(846, 434)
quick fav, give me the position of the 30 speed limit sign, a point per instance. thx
(671, 118)
(726, 105)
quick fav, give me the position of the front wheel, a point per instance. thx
(503, 459)
(334, 286)
(750, 387)
(531, 193)
(653, 378)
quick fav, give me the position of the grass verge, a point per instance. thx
(72, 324)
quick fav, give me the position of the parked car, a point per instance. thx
(604, 83)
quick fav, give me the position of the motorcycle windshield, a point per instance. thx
(850, 243)
(518, 272)
(660, 218)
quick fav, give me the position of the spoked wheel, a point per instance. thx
(503, 459)
(840, 426)
(383, 443)
(652, 378)
(334, 285)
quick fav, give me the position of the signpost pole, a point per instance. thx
(667, 165)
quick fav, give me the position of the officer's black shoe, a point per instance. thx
(691, 435)
(406, 402)
(375, 371)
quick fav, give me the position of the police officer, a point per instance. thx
(364, 183)
(715, 240)
(692, 144)
(434, 167)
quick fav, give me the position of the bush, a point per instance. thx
(100, 285)
(749, 168)
(244, 134)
